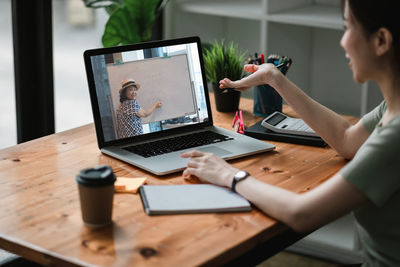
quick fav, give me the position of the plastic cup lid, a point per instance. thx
(96, 176)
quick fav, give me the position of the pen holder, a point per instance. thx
(266, 100)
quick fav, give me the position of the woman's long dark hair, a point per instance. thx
(374, 14)
(122, 95)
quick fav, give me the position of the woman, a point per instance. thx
(129, 113)
(369, 184)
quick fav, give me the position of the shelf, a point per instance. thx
(320, 16)
(235, 9)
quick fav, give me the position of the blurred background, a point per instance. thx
(75, 28)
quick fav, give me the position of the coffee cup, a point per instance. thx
(96, 193)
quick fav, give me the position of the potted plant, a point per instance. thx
(223, 60)
(130, 21)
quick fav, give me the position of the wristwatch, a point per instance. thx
(239, 176)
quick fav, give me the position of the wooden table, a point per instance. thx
(40, 217)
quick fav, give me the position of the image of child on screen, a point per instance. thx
(129, 113)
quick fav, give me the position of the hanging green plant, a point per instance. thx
(130, 21)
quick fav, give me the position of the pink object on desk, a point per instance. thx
(238, 123)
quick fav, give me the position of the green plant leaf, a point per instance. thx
(223, 60)
(111, 8)
(129, 23)
(143, 14)
(205, 47)
(120, 29)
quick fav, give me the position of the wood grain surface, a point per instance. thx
(40, 216)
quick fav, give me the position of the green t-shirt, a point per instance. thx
(375, 170)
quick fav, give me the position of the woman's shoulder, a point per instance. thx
(371, 119)
(130, 105)
(391, 130)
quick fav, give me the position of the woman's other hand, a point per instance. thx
(144, 113)
(209, 168)
(261, 74)
(158, 104)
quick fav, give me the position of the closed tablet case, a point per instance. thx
(260, 132)
(193, 198)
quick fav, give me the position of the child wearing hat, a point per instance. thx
(129, 113)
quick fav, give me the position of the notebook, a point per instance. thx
(150, 103)
(193, 198)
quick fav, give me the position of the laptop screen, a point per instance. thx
(148, 90)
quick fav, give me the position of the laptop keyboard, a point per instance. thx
(168, 145)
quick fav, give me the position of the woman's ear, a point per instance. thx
(383, 41)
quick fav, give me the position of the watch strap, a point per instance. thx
(237, 179)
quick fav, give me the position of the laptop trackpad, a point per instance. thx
(216, 150)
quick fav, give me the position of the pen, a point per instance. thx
(241, 123)
(240, 128)
(235, 119)
(250, 60)
(238, 122)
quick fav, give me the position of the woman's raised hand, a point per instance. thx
(158, 104)
(261, 74)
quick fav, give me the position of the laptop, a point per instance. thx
(150, 103)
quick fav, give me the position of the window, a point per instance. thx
(8, 128)
(75, 29)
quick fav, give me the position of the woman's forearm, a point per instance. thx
(144, 113)
(308, 211)
(274, 201)
(150, 110)
(326, 123)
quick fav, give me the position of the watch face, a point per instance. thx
(240, 175)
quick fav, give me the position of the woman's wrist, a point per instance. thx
(228, 177)
(275, 78)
